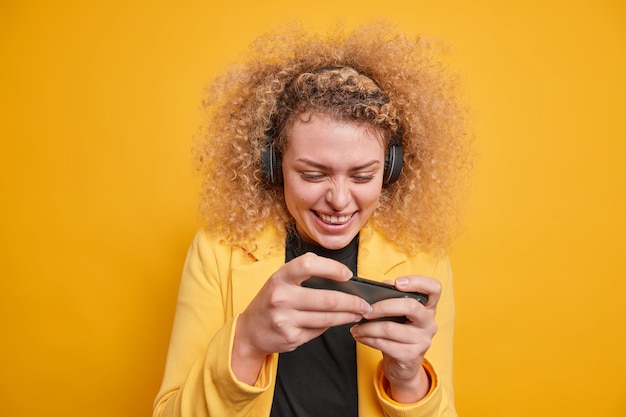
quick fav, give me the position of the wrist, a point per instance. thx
(246, 359)
(410, 391)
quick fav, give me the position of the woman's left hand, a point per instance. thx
(403, 344)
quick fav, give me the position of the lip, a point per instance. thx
(329, 235)
(334, 219)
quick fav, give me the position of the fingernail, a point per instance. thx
(402, 282)
(366, 308)
(347, 273)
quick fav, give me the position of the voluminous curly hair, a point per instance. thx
(374, 75)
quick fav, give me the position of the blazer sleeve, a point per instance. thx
(198, 380)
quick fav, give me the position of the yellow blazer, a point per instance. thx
(218, 283)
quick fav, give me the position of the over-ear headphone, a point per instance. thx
(271, 164)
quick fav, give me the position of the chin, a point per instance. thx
(334, 243)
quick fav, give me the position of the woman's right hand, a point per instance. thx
(283, 315)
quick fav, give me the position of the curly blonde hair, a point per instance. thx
(374, 75)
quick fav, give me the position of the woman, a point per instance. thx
(322, 156)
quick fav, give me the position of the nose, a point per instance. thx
(338, 195)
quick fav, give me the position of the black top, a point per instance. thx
(319, 378)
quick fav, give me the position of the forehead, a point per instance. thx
(321, 126)
(331, 141)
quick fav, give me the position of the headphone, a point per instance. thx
(272, 170)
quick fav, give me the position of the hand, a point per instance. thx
(403, 345)
(284, 315)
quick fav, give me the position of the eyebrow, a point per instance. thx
(326, 168)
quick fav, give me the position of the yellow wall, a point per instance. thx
(97, 195)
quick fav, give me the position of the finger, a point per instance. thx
(402, 350)
(322, 320)
(410, 308)
(386, 330)
(319, 300)
(421, 284)
(309, 264)
(391, 348)
(394, 339)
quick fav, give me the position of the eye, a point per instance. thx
(363, 178)
(312, 176)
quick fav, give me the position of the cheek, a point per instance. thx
(297, 195)
(290, 196)
(369, 198)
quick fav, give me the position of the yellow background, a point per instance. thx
(99, 103)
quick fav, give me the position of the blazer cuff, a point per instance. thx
(223, 375)
(426, 406)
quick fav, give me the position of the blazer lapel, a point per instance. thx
(377, 256)
(248, 280)
(252, 269)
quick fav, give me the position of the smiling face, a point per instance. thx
(333, 172)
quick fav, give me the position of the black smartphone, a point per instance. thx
(370, 291)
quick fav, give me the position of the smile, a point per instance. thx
(334, 219)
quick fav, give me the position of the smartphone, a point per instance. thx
(370, 291)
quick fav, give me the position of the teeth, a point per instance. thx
(334, 219)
